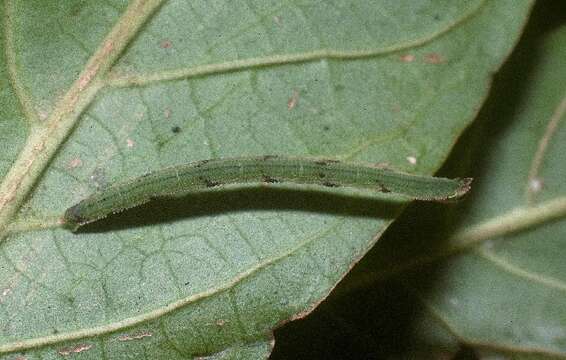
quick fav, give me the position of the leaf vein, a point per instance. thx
(283, 59)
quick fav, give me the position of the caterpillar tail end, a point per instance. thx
(465, 184)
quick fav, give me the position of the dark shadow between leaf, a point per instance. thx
(257, 199)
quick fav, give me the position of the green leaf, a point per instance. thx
(487, 275)
(507, 293)
(97, 92)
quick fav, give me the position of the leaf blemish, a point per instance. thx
(434, 58)
(4, 293)
(74, 350)
(330, 184)
(407, 58)
(138, 336)
(74, 163)
(293, 100)
(535, 185)
(176, 129)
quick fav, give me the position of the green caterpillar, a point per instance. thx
(207, 174)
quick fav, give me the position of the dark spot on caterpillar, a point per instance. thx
(330, 184)
(269, 157)
(176, 129)
(326, 162)
(211, 183)
(321, 175)
(201, 163)
(381, 187)
(269, 179)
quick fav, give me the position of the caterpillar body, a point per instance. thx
(207, 174)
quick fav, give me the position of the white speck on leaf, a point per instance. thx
(412, 160)
(535, 185)
(5, 293)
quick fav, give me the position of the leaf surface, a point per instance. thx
(99, 92)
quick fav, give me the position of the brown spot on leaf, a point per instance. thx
(293, 100)
(434, 58)
(74, 163)
(74, 349)
(407, 58)
(165, 44)
(141, 335)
